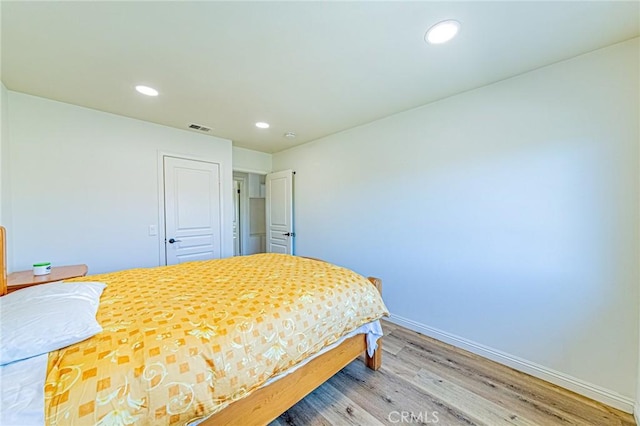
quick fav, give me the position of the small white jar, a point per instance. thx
(43, 268)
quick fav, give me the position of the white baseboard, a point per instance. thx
(589, 390)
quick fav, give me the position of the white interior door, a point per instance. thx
(192, 210)
(279, 212)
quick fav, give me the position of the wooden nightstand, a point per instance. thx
(22, 279)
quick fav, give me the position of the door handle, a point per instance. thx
(289, 234)
(172, 240)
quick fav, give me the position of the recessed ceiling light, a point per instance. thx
(442, 32)
(146, 90)
(262, 125)
(290, 135)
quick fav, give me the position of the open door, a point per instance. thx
(279, 212)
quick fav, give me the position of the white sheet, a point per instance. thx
(22, 392)
(22, 382)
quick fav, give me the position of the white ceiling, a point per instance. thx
(313, 68)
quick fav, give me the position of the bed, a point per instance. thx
(181, 344)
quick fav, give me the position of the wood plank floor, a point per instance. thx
(424, 381)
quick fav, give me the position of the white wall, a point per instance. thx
(5, 199)
(84, 184)
(3, 139)
(506, 216)
(4, 146)
(636, 410)
(249, 161)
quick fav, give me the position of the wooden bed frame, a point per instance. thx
(267, 403)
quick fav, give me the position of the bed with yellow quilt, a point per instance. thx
(235, 340)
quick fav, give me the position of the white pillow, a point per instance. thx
(47, 317)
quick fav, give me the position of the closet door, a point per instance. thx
(279, 211)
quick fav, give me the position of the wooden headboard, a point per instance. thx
(3, 261)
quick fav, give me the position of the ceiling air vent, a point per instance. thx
(199, 127)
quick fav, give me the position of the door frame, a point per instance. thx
(162, 259)
(244, 211)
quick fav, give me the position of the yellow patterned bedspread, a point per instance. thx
(182, 342)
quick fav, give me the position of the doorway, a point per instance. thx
(238, 205)
(251, 213)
